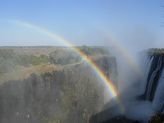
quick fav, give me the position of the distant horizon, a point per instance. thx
(133, 24)
(50, 46)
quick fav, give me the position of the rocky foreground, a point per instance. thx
(158, 118)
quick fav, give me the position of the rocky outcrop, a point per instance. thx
(158, 118)
(120, 119)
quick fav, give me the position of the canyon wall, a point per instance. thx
(71, 94)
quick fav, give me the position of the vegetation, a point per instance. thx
(156, 51)
(26, 60)
(61, 92)
(65, 56)
(9, 60)
(94, 50)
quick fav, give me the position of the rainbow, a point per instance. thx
(122, 50)
(112, 90)
(108, 83)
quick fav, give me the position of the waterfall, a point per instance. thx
(146, 65)
(150, 98)
(153, 76)
(151, 81)
(158, 102)
(154, 87)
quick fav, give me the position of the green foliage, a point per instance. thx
(156, 51)
(67, 56)
(9, 60)
(26, 60)
(63, 57)
(94, 50)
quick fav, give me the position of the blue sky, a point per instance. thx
(131, 22)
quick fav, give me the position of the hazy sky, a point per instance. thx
(131, 22)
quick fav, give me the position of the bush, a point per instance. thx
(10, 60)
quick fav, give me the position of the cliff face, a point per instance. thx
(109, 66)
(151, 100)
(71, 94)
